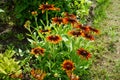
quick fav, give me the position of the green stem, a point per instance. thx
(36, 21)
(47, 18)
(42, 22)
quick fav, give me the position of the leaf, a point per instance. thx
(2, 71)
(9, 53)
(18, 72)
(30, 40)
(1, 10)
(64, 38)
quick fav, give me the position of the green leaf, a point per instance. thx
(2, 71)
(1, 10)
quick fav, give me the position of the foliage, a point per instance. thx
(55, 39)
(53, 44)
(22, 9)
(81, 8)
(8, 65)
(100, 9)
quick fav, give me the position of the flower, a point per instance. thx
(38, 51)
(83, 53)
(68, 65)
(89, 36)
(17, 76)
(47, 6)
(45, 31)
(66, 14)
(78, 26)
(85, 28)
(72, 76)
(57, 20)
(34, 13)
(38, 74)
(76, 33)
(67, 20)
(94, 30)
(54, 39)
(27, 24)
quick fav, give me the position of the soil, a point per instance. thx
(107, 62)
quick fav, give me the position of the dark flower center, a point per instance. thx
(38, 51)
(77, 33)
(69, 66)
(47, 6)
(54, 38)
(45, 30)
(84, 53)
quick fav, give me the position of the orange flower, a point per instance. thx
(94, 30)
(85, 28)
(57, 20)
(45, 31)
(34, 13)
(78, 26)
(47, 6)
(72, 76)
(83, 53)
(27, 24)
(76, 33)
(66, 14)
(38, 74)
(68, 65)
(89, 36)
(54, 39)
(17, 76)
(38, 51)
(67, 20)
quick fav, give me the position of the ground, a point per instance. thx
(107, 60)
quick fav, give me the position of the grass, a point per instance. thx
(106, 63)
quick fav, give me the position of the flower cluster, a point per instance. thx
(78, 28)
(53, 44)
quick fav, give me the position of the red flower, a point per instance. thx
(78, 25)
(44, 31)
(57, 20)
(89, 36)
(54, 39)
(47, 6)
(83, 53)
(68, 65)
(94, 30)
(76, 33)
(38, 51)
(67, 20)
(66, 14)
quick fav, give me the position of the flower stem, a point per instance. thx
(47, 18)
(36, 21)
